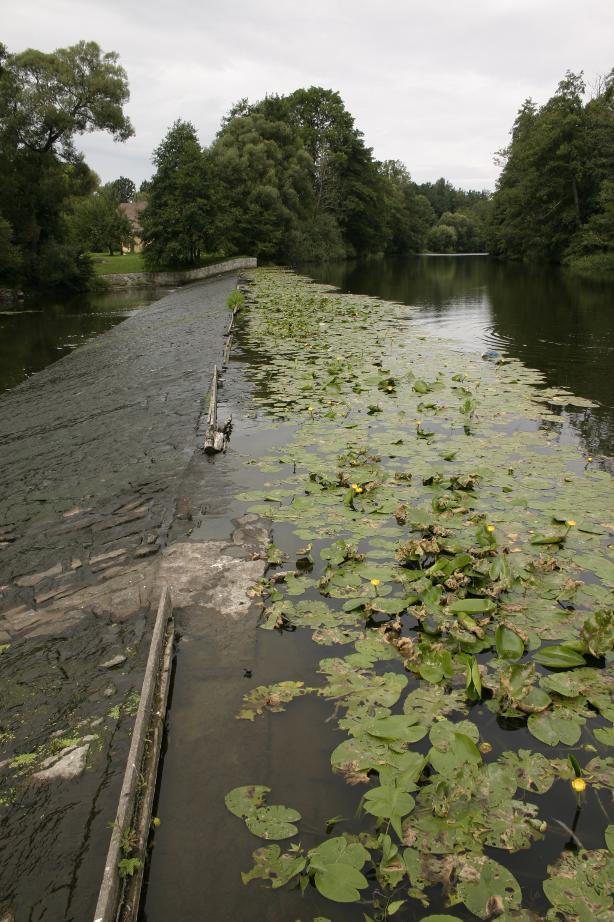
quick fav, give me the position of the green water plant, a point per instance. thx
(459, 596)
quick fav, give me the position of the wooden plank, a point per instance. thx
(212, 415)
(110, 889)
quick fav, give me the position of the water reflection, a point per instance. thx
(548, 318)
(41, 329)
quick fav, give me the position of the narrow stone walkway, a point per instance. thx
(92, 454)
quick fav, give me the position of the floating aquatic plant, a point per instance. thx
(458, 568)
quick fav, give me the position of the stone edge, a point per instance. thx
(109, 894)
(174, 279)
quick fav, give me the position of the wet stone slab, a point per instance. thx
(93, 451)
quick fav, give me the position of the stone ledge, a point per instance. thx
(178, 278)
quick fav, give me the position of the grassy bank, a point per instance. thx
(450, 559)
(135, 262)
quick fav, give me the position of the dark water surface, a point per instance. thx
(199, 850)
(43, 328)
(550, 319)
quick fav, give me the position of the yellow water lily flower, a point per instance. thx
(570, 523)
(579, 785)
(490, 528)
(375, 582)
(356, 488)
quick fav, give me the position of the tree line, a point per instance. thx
(288, 178)
(554, 200)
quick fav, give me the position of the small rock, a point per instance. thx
(109, 691)
(115, 661)
(67, 767)
(99, 720)
(51, 760)
(146, 550)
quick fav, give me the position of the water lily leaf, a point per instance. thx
(605, 735)
(464, 750)
(274, 822)
(337, 863)
(579, 885)
(533, 771)
(402, 727)
(442, 733)
(609, 838)
(495, 891)
(597, 633)
(600, 772)
(567, 684)
(270, 697)
(472, 606)
(427, 703)
(509, 644)
(548, 539)
(359, 754)
(392, 606)
(559, 657)
(270, 864)
(245, 800)
(439, 918)
(558, 726)
(388, 802)
(340, 883)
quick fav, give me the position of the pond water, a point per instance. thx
(324, 393)
(552, 320)
(43, 328)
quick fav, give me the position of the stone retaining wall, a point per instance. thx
(175, 279)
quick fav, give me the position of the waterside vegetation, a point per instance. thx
(450, 559)
(288, 178)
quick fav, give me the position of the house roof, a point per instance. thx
(132, 211)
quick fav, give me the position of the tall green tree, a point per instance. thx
(46, 101)
(124, 189)
(97, 222)
(408, 214)
(553, 170)
(264, 180)
(178, 221)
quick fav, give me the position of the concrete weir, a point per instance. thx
(98, 458)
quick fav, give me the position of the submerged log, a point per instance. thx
(216, 438)
(212, 415)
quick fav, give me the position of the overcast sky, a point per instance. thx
(435, 83)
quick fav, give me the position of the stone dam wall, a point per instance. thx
(179, 277)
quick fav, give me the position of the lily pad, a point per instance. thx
(336, 865)
(495, 891)
(271, 865)
(273, 822)
(580, 885)
(247, 799)
(559, 657)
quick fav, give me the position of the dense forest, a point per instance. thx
(287, 178)
(555, 197)
(290, 178)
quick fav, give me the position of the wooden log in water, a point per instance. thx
(210, 434)
(227, 348)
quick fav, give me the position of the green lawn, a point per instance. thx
(111, 265)
(133, 262)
